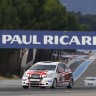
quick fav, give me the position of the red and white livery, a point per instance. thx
(48, 74)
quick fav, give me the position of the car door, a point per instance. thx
(60, 70)
(68, 73)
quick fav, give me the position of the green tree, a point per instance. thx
(8, 16)
(84, 27)
(53, 17)
(72, 22)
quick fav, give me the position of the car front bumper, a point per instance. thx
(46, 82)
(89, 84)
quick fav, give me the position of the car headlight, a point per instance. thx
(49, 75)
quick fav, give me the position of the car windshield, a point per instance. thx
(43, 67)
(91, 79)
(88, 78)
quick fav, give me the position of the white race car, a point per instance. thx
(90, 82)
(48, 74)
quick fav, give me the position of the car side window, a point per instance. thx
(60, 68)
(66, 68)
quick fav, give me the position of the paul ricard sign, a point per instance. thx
(47, 39)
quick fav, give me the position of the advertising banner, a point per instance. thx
(47, 39)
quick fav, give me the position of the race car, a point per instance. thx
(48, 74)
(90, 82)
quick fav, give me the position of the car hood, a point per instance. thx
(42, 73)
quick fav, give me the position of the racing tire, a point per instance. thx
(54, 84)
(71, 83)
(25, 87)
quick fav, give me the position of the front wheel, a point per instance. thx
(71, 83)
(25, 87)
(54, 84)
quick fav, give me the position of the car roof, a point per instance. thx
(90, 78)
(48, 63)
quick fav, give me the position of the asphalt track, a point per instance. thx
(90, 71)
(81, 69)
(15, 91)
(78, 90)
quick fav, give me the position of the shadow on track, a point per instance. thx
(35, 89)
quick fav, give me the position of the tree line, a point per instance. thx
(87, 22)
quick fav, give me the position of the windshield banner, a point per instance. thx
(47, 39)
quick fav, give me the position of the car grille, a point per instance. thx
(35, 77)
(34, 82)
(90, 84)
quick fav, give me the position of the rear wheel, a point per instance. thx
(25, 87)
(54, 84)
(71, 83)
